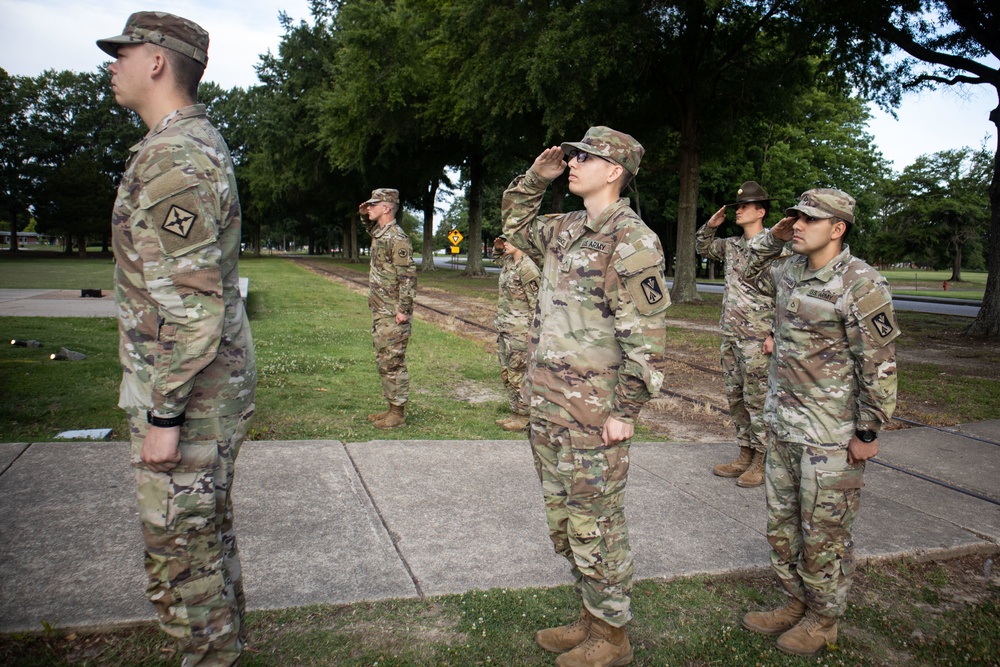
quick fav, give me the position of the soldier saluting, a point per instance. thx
(595, 357)
(832, 388)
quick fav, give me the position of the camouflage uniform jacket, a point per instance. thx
(519, 284)
(597, 341)
(185, 339)
(392, 278)
(834, 363)
(747, 303)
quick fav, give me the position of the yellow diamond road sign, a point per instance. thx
(455, 237)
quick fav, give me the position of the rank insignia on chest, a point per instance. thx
(178, 221)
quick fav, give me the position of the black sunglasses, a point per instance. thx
(582, 156)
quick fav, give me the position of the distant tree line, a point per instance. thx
(416, 93)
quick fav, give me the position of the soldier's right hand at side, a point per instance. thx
(718, 218)
(550, 163)
(160, 451)
(783, 230)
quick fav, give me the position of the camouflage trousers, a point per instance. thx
(192, 561)
(813, 497)
(390, 341)
(512, 352)
(744, 370)
(583, 483)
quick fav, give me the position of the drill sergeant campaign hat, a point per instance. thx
(824, 203)
(751, 192)
(605, 142)
(387, 195)
(163, 29)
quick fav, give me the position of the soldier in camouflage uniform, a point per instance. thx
(595, 357)
(519, 283)
(832, 387)
(747, 316)
(186, 350)
(392, 284)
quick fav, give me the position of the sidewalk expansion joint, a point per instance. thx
(15, 459)
(385, 525)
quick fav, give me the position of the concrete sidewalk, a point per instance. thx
(55, 303)
(327, 522)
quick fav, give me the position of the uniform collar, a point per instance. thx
(830, 269)
(192, 111)
(602, 220)
(380, 230)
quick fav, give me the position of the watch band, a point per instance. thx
(866, 435)
(164, 422)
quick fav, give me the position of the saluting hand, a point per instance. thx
(783, 230)
(718, 218)
(550, 163)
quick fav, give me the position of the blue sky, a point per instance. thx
(241, 30)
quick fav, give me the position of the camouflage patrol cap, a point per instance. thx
(750, 192)
(163, 29)
(387, 195)
(616, 146)
(825, 203)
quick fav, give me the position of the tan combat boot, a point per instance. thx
(515, 423)
(375, 416)
(565, 637)
(502, 420)
(810, 635)
(606, 646)
(394, 419)
(777, 621)
(737, 467)
(754, 475)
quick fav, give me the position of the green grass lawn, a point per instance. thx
(314, 352)
(901, 614)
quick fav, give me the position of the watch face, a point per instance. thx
(866, 436)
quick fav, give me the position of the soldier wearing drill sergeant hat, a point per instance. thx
(746, 320)
(186, 350)
(832, 387)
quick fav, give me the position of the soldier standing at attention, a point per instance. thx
(186, 350)
(519, 283)
(392, 284)
(747, 316)
(832, 387)
(595, 357)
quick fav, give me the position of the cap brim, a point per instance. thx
(753, 201)
(373, 201)
(809, 211)
(567, 146)
(110, 45)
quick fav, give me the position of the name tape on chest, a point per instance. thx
(599, 246)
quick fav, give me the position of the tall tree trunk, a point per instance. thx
(988, 321)
(81, 242)
(474, 266)
(956, 262)
(427, 248)
(685, 281)
(353, 250)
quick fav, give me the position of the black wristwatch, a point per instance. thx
(164, 422)
(866, 436)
